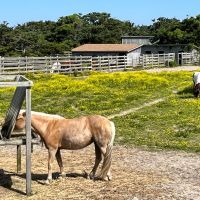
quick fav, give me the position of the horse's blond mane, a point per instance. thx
(43, 114)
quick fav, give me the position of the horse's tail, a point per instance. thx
(108, 155)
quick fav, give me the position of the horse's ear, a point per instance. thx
(24, 114)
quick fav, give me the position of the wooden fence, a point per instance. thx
(192, 58)
(71, 64)
(157, 60)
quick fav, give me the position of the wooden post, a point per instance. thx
(117, 62)
(91, 62)
(19, 59)
(125, 58)
(109, 60)
(19, 168)
(26, 63)
(28, 141)
(99, 59)
(0, 65)
(181, 58)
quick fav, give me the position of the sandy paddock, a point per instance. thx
(137, 173)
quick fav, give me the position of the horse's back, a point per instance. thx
(196, 78)
(85, 122)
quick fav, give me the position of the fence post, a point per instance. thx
(0, 66)
(99, 59)
(19, 59)
(19, 159)
(117, 62)
(28, 141)
(181, 58)
(143, 57)
(81, 63)
(91, 63)
(26, 64)
(45, 60)
(124, 62)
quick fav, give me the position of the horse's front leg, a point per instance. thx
(51, 158)
(60, 163)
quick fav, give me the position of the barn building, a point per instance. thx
(147, 47)
(132, 47)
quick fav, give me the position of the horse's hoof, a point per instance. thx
(91, 176)
(107, 178)
(48, 181)
(103, 178)
(63, 175)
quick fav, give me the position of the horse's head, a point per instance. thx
(196, 90)
(20, 121)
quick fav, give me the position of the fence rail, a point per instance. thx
(189, 58)
(157, 60)
(71, 64)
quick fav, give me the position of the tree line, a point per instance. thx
(44, 38)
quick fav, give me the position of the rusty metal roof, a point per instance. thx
(105, 48)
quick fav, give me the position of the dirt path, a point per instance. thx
(181, 68)
(126, 112)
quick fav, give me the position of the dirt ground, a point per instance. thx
(137, 174)
(180, 68)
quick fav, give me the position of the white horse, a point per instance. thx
(196, 81)
(55, 66)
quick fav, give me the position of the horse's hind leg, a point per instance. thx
(105, 171)
(60, 163)
(51, 158)
(97, 161)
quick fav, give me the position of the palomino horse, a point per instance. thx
(60, 133)
(196, 81)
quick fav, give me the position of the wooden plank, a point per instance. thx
(15, 141)
(16, 84)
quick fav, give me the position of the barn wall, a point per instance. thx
(165, 48)
(140, 40)
(156, 49)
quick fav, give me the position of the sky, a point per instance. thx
(139, 12)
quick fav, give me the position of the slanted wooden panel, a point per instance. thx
(13, 112)
(23, 90)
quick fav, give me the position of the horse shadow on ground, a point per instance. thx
(41, 178)
(186, 93)
(6, 178)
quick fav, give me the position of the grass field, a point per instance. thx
(173, 123)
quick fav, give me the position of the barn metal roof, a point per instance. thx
(105, 48)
